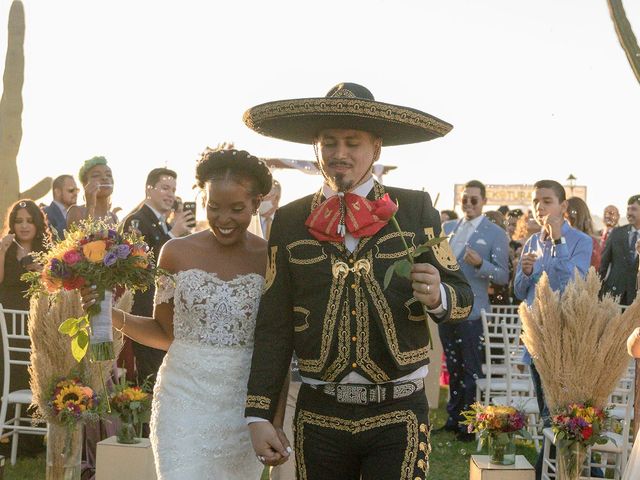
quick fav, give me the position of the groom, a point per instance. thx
(362, 349)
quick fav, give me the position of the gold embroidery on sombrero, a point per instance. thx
(305, 261)
(354, 427)
(258, 401)
(442, 251)
(343, 92)
(457, 312)
(271, 269)
(352, 106)
(328, 325)
(380, 302)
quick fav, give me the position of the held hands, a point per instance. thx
(270, 444)
(426, 284)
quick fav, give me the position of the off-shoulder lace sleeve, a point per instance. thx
(165, 288)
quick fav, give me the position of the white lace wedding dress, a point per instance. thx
(198, 430)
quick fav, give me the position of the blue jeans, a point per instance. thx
(463, 349)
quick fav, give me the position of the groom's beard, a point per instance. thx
(340, 184)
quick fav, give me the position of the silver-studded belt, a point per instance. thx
(364, 394)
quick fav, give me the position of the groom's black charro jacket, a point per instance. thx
(330, 306)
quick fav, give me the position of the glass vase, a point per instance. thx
(64, 451)
(502, 449)
(127, 432)
(570, 457)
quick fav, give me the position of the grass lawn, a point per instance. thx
(449, 458)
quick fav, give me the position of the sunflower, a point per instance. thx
(71, 394)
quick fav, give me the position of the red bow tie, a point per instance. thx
(361, 217)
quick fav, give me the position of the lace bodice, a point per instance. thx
(211, 311)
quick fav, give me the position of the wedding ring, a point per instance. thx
(428, 288)
(261, 458)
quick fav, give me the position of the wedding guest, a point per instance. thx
(611, 218)
(65, 195)
(268, 207)
(482, 251)
(557, 250)
(25, 233)
(97, 181)
(362, 349)
(446, 215)
(500, 294)
(512, 221)
(619, 265)
(150, 220)
(579, 217)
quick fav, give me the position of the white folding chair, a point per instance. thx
(13, 327)
(498, 374)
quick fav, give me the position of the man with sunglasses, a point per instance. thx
(65, 194)
(482, 250)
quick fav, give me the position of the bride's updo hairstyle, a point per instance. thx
(237, 165)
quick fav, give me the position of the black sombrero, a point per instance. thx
(347, 105)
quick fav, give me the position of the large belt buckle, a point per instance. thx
(352, 394)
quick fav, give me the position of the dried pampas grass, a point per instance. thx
(577, 340)
(51, 351)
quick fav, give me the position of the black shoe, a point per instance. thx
(445, 428)
(465, 437)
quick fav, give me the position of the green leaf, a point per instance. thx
(79, 345)
(69, 326)
(389, 275)
(425, 247)
(403, 268)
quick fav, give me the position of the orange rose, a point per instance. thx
(141, 260)
(94, 251)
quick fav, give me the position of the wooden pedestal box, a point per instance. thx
(116, 461)
(481, 469)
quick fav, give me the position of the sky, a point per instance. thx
(534, 88)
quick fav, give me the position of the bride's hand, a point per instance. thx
(89, 297)
(284, 440)
(267, 444)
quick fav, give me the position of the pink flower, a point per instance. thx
(72, 257)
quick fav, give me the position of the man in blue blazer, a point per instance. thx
(65, 194)
(482, 250)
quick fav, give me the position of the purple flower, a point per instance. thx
(122, 251)
(110, 258)
(112, 234)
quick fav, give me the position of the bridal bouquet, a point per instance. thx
(93, 253)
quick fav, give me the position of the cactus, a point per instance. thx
(625, 35)
(11, 117)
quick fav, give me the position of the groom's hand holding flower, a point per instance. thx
(426, 284)
(271, 446)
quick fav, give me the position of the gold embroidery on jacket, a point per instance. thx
(384, 311)
(344, 332)
(363, 327)
(457, 312)
(305, 261)
(443, 253)
(355, 427)
(271, 269)
(258, 401)
(328, 326)
(414, 318)
(305, 325)
(401, 252)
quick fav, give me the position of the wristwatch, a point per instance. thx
(559, 241)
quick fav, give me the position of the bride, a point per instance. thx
(205, 318)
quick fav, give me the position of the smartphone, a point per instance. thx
(190, 207)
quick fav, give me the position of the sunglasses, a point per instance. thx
(473, 200)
